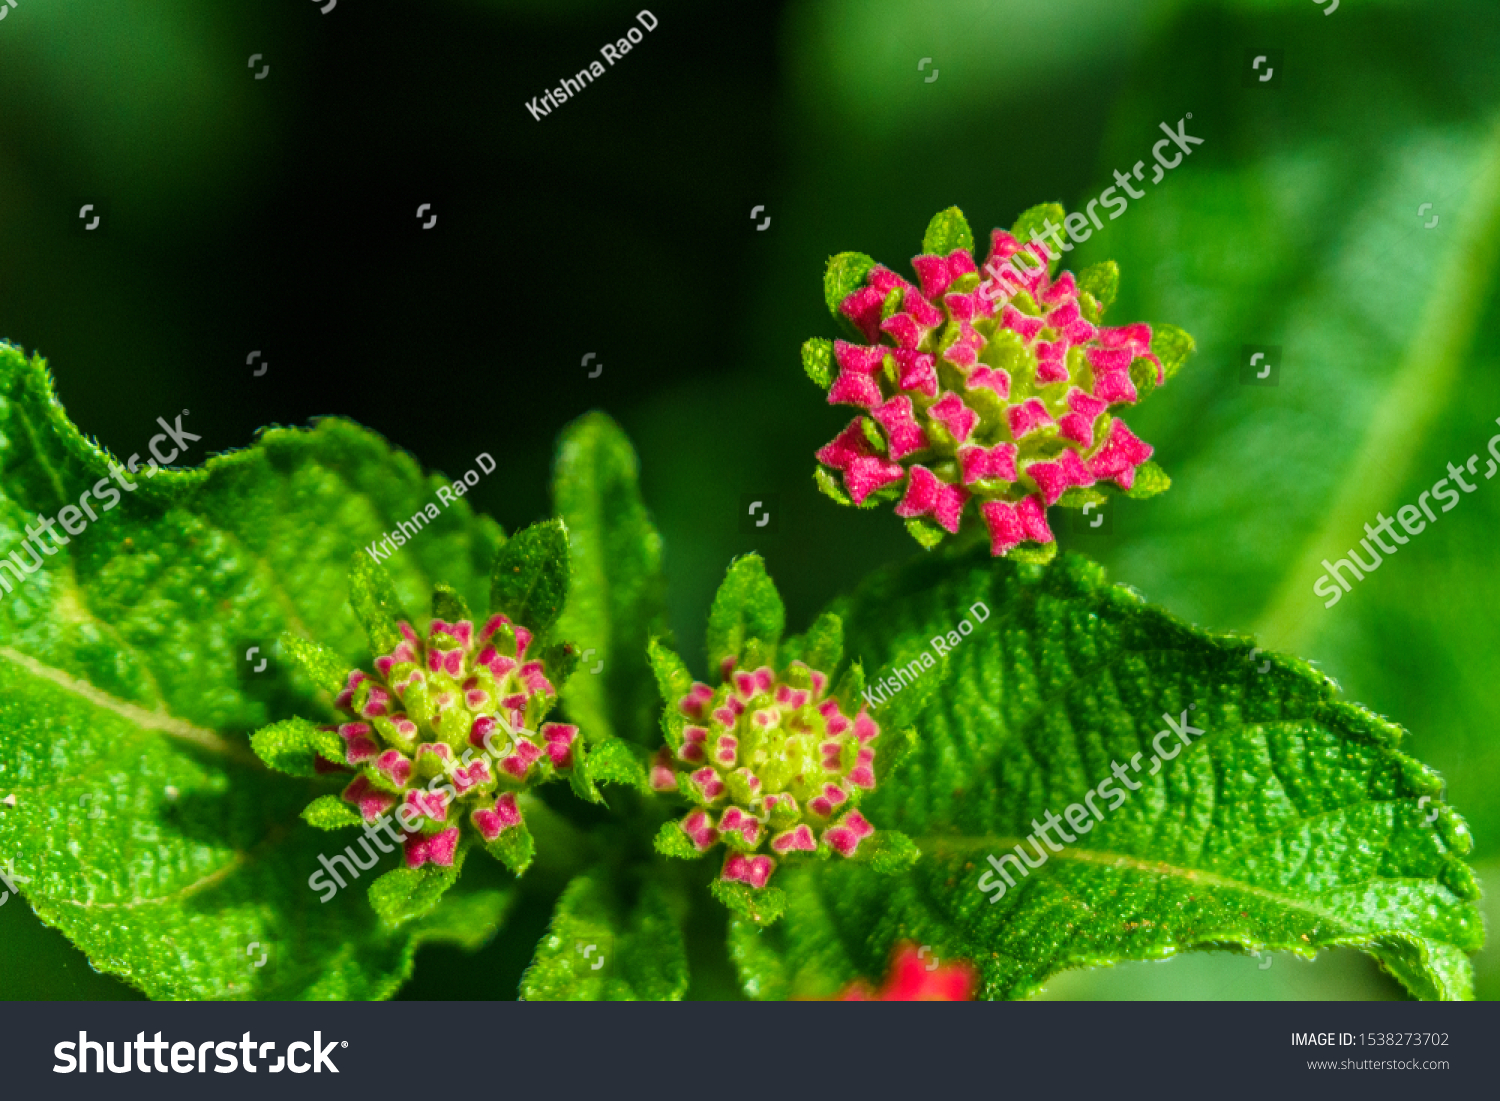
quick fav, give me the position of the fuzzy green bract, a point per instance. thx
(142, 825)
(1293, 823)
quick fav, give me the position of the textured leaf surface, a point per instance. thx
(1294, 822)
(947, 231)
(747, 613)
(615, 602)
(143, 826)
(599, 950)
(530, 581)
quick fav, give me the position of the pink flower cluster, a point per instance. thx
(991, 387)
(782, 760)
(431, 701)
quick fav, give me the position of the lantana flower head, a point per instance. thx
(446, 728)
(986, 395)
(773, 760)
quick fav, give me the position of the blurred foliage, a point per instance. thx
(1294, 224)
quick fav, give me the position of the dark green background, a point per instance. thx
(279, 215)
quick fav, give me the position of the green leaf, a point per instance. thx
(817, 361)
(822, 648)
(530, 579)
(448, 605)
(323, 667)
(671, 841)
(673, 678)
(515, 848)
(830, 486)
(465, 919)
(1103, 282)
(616, 596)
(760, 906)
(925, 532)
(1143, 375)
(1294, 822)
(402, 895)
(599, 948)
(1034, 221)
(329, 812)
(1172, 346)
(293, 746)
(125, 694)
(947, 231)
(844, 275)
(1150, 479)
(372, 595)
(746, 610)
(887, 852)
(617, 761)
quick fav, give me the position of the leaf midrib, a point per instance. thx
(149, 720)
(962, 844)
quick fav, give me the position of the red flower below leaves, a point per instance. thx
(918, 976)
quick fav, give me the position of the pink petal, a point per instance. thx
(848, 445)
(903, 329)
(933, 273)
(926, 495)
(951, 412)
(917, 371)
(863, 308)
(799, 839)
(700, 829)
(1119, 456)
(1109, 359)
(902, 431)
(923, 312)
(492, 823)
(1064, 290)
(1033, 515)
(663, 778)
(884, 280)
(1004, 523)
(372, 802)
(535, 681)
(1027, 417)
(396, 767)
(862, 359)
(754, 870)
(1028, 327)
(1114, 388)
(994, 378)
(700, 694)
(975, 463)
(1054, 477)
(441, 848)
(1051, 361)
(854, 389)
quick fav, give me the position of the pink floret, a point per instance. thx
(951, 412)
(926, 495)
(1121, 454)
(492, 823)
(754, 870)
(1055, 477)
(902, 431)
